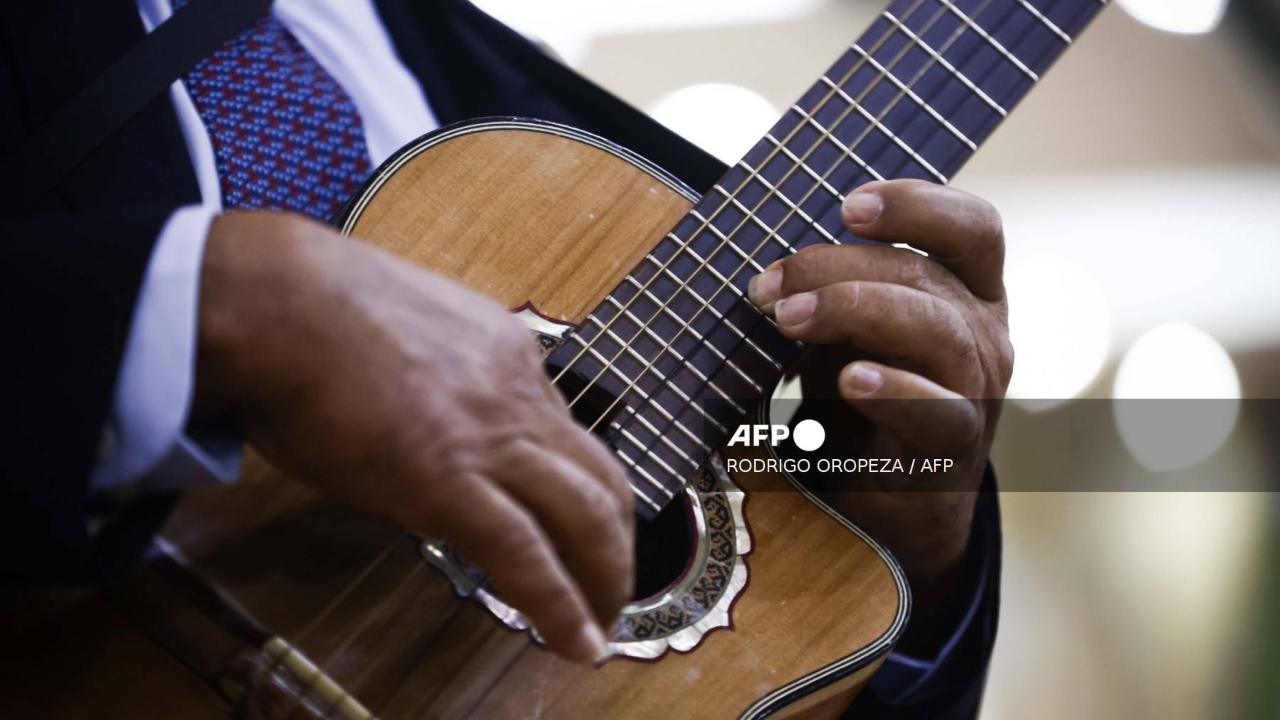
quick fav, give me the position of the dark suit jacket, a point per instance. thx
(71, 266)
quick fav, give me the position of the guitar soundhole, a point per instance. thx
(664, 547)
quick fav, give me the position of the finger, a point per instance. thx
(591, 453)
(920, 411)
(959, 230)
(596, 458)
(490, 529)
(819, 265)
(583, 519)
(892, 321)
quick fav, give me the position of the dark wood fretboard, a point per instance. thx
(677, 345)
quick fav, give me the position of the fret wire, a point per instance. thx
(844, 114)
(875, 123)
(648, 449)
(787, 201)
(639, 467)
(847, 150)
(918, 76)
(919, 41)
(939, 57)
(790, 171)
(807, 153)
(951, 40)
(924, 105)
(992, 41)
(648, 398)
(716, 231)
(1067, 36)
(714, 311)
(703, 264)
(663, 489)
(656, 507)
(652, 481)
(698, 336)
(663, 378)
(701, 376)
(745, 257)
(707, 382)
(968, 57)
(866, 131)
(770, 232)
(916, 4)
(1053, 27)
(914, 7)
(836, 194)
(1040, 46)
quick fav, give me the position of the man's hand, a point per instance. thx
(410, 396)
(919, 347)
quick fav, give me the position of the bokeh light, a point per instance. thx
(1196, 394)
(1061, 330)
(1188, 17)
(723, 119)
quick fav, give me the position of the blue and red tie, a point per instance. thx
(286, 136)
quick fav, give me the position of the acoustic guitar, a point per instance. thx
(754, 597)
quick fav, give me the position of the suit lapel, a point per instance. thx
(146, 161)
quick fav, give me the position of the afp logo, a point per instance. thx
(808, 435)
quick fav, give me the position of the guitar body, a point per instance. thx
(288, 605)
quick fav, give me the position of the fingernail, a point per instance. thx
(861, 208)
(765, 287)
(796, 309)
(590, 645)
(862, 380)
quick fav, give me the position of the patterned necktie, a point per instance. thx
(286, 136)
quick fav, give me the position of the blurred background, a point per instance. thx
(1140, 186)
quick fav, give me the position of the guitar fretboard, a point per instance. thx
(677, 345)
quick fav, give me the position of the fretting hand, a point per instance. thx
(918, 350)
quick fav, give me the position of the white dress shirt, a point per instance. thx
(149, 449)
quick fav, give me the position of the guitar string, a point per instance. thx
(681, 248)
(796, 207)
(867, 165)
(386, 552)
(772, 234)
(1041, 16)
(871, 161)
(686, 243)
(329, 705)
(314, 623)
(926, 104)
(362, 577)
(336, 654)
(605, 330)
(333, 705)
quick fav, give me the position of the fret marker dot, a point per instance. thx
(809, 435)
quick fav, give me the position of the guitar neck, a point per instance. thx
(677, 346)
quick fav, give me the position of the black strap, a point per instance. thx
(68, 137)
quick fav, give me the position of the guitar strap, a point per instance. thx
(80, 126)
